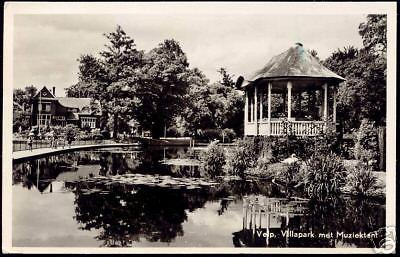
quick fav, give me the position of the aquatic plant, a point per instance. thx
(213, 160)
(361, 180)
(264, 161)
(238, 161)
(246, 155)
(324, 175)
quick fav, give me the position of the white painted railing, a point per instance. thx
(276, 128)
(279, 127)
(307, 128)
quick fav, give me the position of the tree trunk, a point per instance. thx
(115, 134)
(157, 129)
(103, 120)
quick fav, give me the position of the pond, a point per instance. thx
(155, 197)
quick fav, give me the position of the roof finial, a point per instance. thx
(299, 44)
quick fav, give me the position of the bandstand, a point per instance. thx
(293, 90)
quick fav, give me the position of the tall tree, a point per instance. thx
(111, 79)
(92, 78)
(197, 114)
(373, 33)
(120, 60)
(161, 87)
(363, 95)
(24, 97)
(18, 96)
(226, 78)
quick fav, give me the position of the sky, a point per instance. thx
(47, 46)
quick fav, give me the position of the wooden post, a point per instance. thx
(246, 111)
(255, 109)
(244, 215)
(251, 110)
(334, 107)
(269, 108)
(255, 103)
(261, 104)
(37, 174)
(325, 87)
(289, 88)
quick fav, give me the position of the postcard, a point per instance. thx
(199, 127)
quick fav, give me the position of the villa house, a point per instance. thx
(47, 109)
(293, 90)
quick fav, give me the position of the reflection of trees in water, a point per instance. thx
(85, 158)
(348, 215)
(240, 188)
(123, 213)
(157, 213)
(115, 163)
(145, 161)
(22, 173)
(40, 172)
(127, 212)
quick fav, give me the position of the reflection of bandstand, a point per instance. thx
(263, 216)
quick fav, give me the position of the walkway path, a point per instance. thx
(21, 155)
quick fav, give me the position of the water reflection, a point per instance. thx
(125, 213)
(40, 172)
(274, 222)
(126, 196)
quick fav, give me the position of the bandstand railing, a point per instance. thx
(285, 127)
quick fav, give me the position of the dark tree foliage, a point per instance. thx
(162, 86)
(373, 33)
(111, 78)
(363, 95)
(24, 97)
(214, 106)
(226, 78)
(91, 76)
(197, 114)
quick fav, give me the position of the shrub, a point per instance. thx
(229, 135)
(173, 132)
(71, 131)
(105, 133)
(264, 160)
(324, 175)
(287, 175)
(209, 134)
(238, 161)
(303, 147)
(226, 135)
(366, 147)
(213, 160)
(361, 180)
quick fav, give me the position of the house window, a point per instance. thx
(88, 122)
(45, 107)
(44, 119)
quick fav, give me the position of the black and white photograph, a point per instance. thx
(199, 127)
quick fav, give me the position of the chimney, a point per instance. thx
(54, 91)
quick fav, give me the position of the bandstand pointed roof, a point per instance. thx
(294, 62)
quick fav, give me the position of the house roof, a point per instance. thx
(44, 93)
(74, 102)
(72, 116)
(294, 62)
